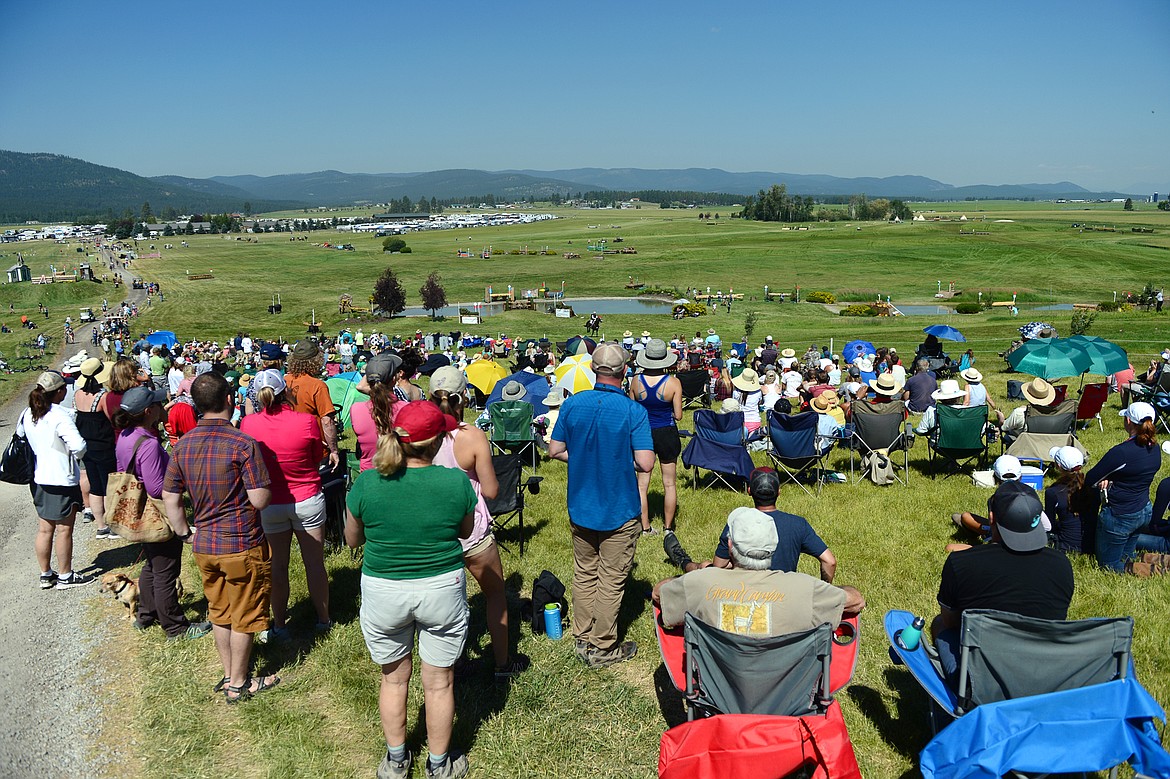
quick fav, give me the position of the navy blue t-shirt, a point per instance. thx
(796, 536)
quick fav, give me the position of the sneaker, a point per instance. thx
(674, 551)
(390, 769)
(624, 651)
(453, 767)
(272, 635)
(194, 630)
(515, 666)
(87, 516)
(106, 534)
(74, 579)
(48, 580)
(649, 531)
(582, 650)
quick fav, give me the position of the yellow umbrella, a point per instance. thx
(576, 377)
(572, 361)
(483, 375)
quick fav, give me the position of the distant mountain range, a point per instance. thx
(52, 187)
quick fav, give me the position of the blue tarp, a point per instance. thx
(162, 338)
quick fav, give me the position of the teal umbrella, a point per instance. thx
(1108, 358)
(1050, 358)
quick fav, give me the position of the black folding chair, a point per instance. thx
(694, 388)
(509, 501)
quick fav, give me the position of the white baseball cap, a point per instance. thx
(1138, 412)
(1007, 467)
(1066, 457)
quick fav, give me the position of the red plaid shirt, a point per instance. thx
(217, 464)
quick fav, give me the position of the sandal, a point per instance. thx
(220, 685)
(258, 684)
(241, 693)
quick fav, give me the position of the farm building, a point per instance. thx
(19, 271)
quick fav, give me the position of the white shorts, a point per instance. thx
(393, 608)
(307, 514)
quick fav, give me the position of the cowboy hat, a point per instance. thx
(788, 353)
(948, 389)
(747, 381)
(1038, 392)
(645, 333)
(557, 396)
(885, 384)
(655, 355)
(972, 376)
(825, 401)
(627, 334)
(710, 331)
(513, 390)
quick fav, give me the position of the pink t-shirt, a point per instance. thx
(292, 448)
(361, 419)
(483, 517)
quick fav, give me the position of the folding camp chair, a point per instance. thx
(961, 438)
(511, 428)
(1061, 394)
(1045, 428)
(334, 484)
(509, 501)
(758, 706)
(1026, 689)
(875, 429)
(694, 388)
(717, 446)
(796, 448)
(1092, 400)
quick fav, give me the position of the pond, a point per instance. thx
(581, 307)
(926, 310)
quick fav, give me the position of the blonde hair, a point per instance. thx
(450, 403)
(269, 401)
(124, 375)
(393, 452)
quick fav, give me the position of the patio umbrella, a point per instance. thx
(576, 377)
(1050, 358)
(1033, 329)
(855, 348)
(483, 375)
(1108, 358)
(945, 332)
(433, 363)
(536, 386)
(579, 344)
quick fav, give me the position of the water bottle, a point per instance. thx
(909, 638)
(552, 621)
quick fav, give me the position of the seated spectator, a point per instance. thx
(828, 430)
(770, 390)
(949, 393)
(792, 382)
(747, 392)
(834, 371)
(976, 393)
(1038, 393)
(790, 601)
(930, 349)
(1006, 468)
(886, 391)
(919, 388)
(1016, 573)
(1067, 504)
(787, 358)
(795, 535)
(967, 360)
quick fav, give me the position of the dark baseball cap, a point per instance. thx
(1016, 509)
(764, 485)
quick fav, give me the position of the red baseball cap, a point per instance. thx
(422, 420)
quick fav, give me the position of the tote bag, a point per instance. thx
(18, 462)
(130, 512)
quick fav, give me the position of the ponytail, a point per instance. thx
(393, 452)
(450, 403)
(1073, 480)
(269, 401)
(382, 400)
(39, 403)
(1147, 434)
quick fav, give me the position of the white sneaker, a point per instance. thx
(87, 516)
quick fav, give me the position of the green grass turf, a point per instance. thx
(560, 719)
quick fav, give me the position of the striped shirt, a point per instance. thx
(217, 464)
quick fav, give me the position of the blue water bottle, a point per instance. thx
(552, 621)
(909, 638)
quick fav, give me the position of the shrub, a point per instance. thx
(820, 296)
(404, 250)
(1082, 321)
(393, 244)
(968, 308)
(859, 309)
(1108, 305)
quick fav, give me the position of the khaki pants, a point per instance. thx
(601, 563)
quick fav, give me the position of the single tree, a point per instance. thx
(388, 293)
(433, 295)
(393, 244)
(147, 214)
(247, 208)
(1128, 204)
(168, 231)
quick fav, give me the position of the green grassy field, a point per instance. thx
(560, 719)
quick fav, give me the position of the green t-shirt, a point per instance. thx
(158, 365)
(412, 520)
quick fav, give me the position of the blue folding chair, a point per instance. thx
(795, 447)
(717, 446)
(1029, 688)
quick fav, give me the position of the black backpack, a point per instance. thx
(19, 462)
(545, 590)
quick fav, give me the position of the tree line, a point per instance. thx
(776, 205)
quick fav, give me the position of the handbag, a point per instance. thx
(19, 462)
(130, 512)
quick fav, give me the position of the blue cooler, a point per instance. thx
(1033, 477)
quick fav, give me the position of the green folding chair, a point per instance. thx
(511, 428)
(961, 438)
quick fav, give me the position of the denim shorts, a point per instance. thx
(436, 606)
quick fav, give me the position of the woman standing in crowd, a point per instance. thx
(413, 578)
(95, 411)
(1124, 476)
(661, 395)
(412, 360)
(139, 418)
(56, 490)
(467, 449)
(292, 448)
(376, 415)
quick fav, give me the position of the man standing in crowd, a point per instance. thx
(1017, 572)
(604, 437)
(223, 470)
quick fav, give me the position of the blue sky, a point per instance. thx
(970, 93)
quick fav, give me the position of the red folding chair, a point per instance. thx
(1061, 394)
(1093, 397)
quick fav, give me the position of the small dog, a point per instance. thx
(124, 590)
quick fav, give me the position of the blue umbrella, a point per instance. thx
(536, 386)
(946, 332)
(855, 348)
(162, 338)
